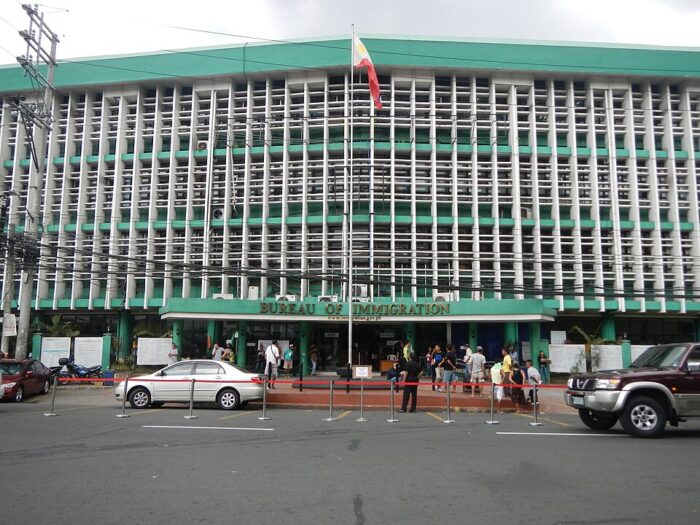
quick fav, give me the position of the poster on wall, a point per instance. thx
(53, 349)
(87, 351)
(153, 350)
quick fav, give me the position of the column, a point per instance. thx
(472, 336)
(536, 342)
(36, 345)
(510, 333)
(106, 350)
(304, 343)
(626, 353)
(124, 337)
(697, 330)
(178, 328)
(212, 334)
(607, 328)
(242, 343)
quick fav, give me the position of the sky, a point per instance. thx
(88, 28)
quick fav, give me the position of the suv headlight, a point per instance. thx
(570, 383)
(607, 384)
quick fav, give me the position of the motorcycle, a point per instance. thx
(77, 371)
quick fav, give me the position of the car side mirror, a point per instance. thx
(162, 373)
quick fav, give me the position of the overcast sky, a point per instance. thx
(95, 28)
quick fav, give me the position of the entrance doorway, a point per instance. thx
(371, 344)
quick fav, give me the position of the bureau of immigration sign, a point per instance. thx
(368, 310)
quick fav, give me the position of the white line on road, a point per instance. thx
(208, 428)
(555, 434)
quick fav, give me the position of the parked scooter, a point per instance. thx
(79, 371)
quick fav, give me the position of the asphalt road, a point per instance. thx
(87, 466)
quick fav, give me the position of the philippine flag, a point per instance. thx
(361, 59)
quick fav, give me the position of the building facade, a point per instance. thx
(505, 190)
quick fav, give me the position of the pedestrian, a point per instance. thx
(272, 355)
(514, 356)
(172, 354)
(313, 355)
(430, 366)
(260, 359)
(438, 357)
(477, 364)
(506, 369)
(449, 365)
(517, 380)
(393, 375)
(497, 380)
(410, 376)
(288, 359)
(228, 354)
(543, 362)
(533, 378)
(467, 371)
(217, 352)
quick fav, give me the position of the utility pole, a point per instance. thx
(7, 253)
(37, 120)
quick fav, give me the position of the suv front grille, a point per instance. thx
(580, 383)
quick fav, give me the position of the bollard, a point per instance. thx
(535, 407)
(126, 389)
(301, 377)
(448, 420)
(53, 399)
(392, 418)
(362, 409)
(330, 405)
(493, 396)
(347, 378)
(264, 416)
(190, 416)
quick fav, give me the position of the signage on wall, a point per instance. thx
(331, 335)
(362, 311)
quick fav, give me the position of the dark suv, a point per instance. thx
(661, 385)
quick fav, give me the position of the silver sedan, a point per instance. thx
(214, 382)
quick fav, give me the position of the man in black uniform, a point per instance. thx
(410, 375)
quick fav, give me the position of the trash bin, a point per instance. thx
(108, 374)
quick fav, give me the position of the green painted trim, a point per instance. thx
(642, 154)
(626, 353)
(106, 350)
(583, 152)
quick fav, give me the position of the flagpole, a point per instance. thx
(350, 193)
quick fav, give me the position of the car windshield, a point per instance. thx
(660, 357)
(11, 369)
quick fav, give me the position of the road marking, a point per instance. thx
(344, 413)
(231, 416)
(435, 416)
(63, 409)
(147, 411)
(548, 420)
(209, 428)
(556, 434)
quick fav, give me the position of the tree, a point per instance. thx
(151, 329)
(590, 342)
(60, 328)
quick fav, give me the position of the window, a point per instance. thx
(179, 369)
(209, 369)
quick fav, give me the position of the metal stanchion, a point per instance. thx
(347, 378)
(301, 377)
(392, 418)
(126, 389)
(190, 416)
(53, 399)
(493, 396)
(362, 408)
(264, 415)
(448, 420)
(535, 407)
(330, 405)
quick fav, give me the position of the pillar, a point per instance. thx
(178, 328)
(304, 343)
(607, 328)
(242, 343)
(124, 337)
(409, 332)
(536, 342)
(510, 333)
(36, 345)
(472, 336)
(212, 334)
(697, 330)
(106, 350)
(626, 353)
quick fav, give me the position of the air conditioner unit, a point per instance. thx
(360, 299)
(202, 145)
(441, 297)
(218, 214)
(222, 296)
(286, 297)
(526, 213)
(253, 293)
(327, 298)
(359, 290)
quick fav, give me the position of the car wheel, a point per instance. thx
(19, 394)
(47, 386)
(644, 417)
(597, 420)
(228, 399)
(139, 397)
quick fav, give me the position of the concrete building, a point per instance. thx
(505, 190)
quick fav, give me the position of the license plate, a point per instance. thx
(577, 401)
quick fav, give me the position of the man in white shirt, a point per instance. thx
(217, 352)
(477, 365)
(533, 378)
(272, 356)
(172, 354)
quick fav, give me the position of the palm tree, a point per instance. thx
(60, 328)
(590, 341)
